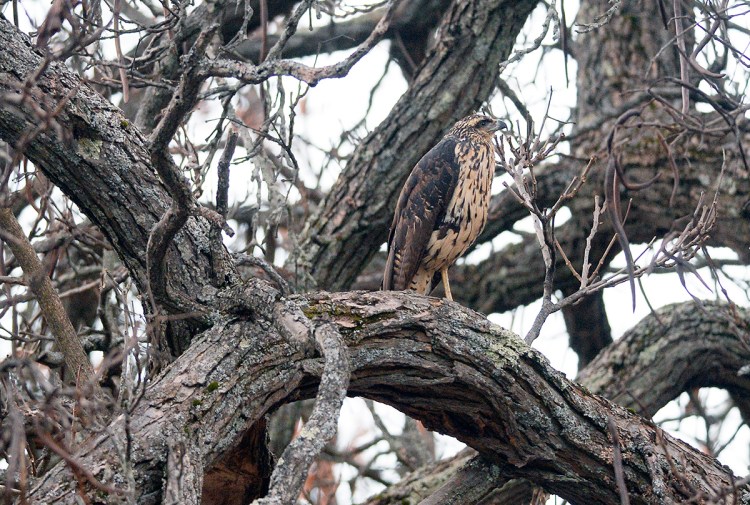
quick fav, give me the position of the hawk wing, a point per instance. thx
(420, 210)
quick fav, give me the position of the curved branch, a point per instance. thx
(436, 361)
(680, 347)
(311, 75)
(693, 348)
(412, 21)
(294, 464)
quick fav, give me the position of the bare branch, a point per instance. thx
(619, 472)
(252, 74)
(291, 470)
(78, 366)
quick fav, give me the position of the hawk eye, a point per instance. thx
(485, 122)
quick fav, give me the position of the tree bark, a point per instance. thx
(671, 351)
(440, 363)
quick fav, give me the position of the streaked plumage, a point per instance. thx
(443, 206)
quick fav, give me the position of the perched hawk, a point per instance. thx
(442, 208)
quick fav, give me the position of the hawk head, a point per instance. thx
(477, 126)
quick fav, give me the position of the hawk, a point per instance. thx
(442, 208)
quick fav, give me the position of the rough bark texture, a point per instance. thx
(436, 361)
(677, 348)
(680, 347)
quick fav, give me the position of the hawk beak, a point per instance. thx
(499, 125)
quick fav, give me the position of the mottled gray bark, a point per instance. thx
(436, 361)
(678, 348)
(439, 363)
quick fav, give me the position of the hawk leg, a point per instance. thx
(446, 284)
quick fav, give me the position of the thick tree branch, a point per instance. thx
(677, 348)
(472, 483)
(435, 361)
(680, 347)
(183, 101)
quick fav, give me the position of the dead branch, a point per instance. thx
(293, 465)
(77, 363)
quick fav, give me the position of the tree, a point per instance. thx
(178, 410)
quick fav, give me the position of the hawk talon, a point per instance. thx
(446, 284)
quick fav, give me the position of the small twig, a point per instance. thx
(602, 19)
(568, 264)
(289, 30)
(612, 195)
(617, 461)
(574, 186)
(680, 40)
(603, 258)
(598, 211)
(222, 193)
(672, 165)
(78, 469)
(396, 443)
(118, 50)
(537, 42)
